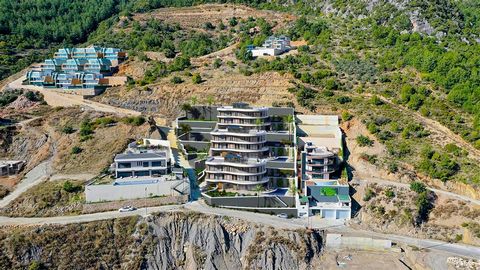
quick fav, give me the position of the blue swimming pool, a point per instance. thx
(326, 183)
(278, 192)
(133, 182)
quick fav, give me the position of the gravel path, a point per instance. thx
(32, 178)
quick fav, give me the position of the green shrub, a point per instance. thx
(34, 96)
(389, 193)
(71, 188)
(231, 64)
(104, 121)
(217, 63)
(372, 159)
(369, 194)
(375, 100)
(68, 129)
(418, 187)
(346, 116)
(392, 167)
(176, 80)
(344, 99)
(76, 150)
(233, 21)
(364, 141)
(208, 26)
(372, 128)
(134, 120)
(196, 78)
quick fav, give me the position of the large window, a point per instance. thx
(142, 173)
(158, 172)
(145, 164)
(158, 164)
(123, 165)
(124, 174)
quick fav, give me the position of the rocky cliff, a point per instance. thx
(164, 241)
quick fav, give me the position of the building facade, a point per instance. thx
(249, 148)
(324, 188)
(144, 160)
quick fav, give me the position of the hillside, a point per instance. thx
(359, 67)
(164, 241)
(404, 75)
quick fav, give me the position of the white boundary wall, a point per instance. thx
(337, 241)
(100, 193)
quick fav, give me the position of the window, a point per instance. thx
(158, 172)
(145, 164)
(139, 163)
(123, 165)
(142, 173)
(156, 163)
(124, 174)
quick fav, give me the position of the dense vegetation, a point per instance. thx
(365, 60)
(29, 29)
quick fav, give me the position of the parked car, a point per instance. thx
(127, 208)
(282, 215)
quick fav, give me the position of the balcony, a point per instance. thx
(320, 163)
(237, 173)
(238, 182)
(238, 150)
(238, 131)
(235, 162)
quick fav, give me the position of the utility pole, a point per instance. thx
(146, 212)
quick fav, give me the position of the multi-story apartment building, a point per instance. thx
(238, 148)
(79, 68)
(318, 162)
(322, 183)
(248, 146)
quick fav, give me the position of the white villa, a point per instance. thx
(145, 169)
(272, 46)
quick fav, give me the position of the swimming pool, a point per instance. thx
(133, 182)
(278, 192)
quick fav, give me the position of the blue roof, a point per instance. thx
(56, 62)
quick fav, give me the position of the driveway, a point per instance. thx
(55, 99)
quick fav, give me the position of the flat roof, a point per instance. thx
(321, 130)
(129, 156)
(323, 120)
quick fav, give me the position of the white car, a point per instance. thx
(127, 208)
(282, 215)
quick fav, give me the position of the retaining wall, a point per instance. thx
(251, 201)
(99, 193)
(138, 203)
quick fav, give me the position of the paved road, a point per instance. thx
(38, 174)
(6, 221)
(403, 185)
(56, 99)
(264, 219)
(454, 249)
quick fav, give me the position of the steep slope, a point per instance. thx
(164, 241)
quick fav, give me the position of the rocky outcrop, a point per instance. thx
(195, 241)
(180, 240)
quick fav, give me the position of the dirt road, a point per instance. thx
(56, 99)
